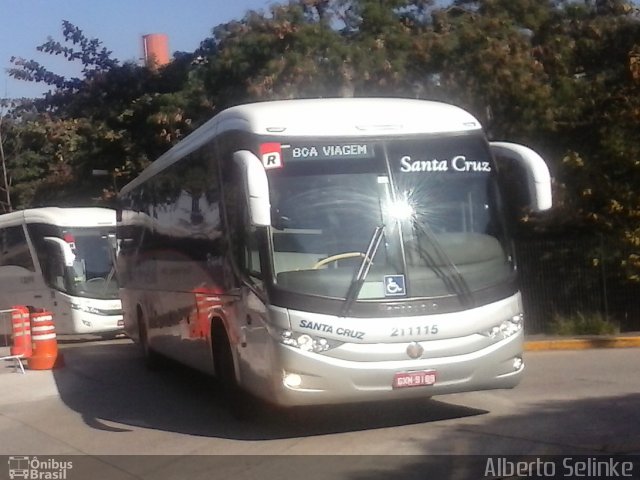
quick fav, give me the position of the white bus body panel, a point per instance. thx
(71, 314)
(61, 217)
(462, 353)
(463, 357)
(78, 315)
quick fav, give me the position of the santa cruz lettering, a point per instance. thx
(456, 164)
(345, 332)
(326, 328)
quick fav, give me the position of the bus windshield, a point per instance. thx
(92, 273)
(433, 200)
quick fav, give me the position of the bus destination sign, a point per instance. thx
(327, 151)
(275, 155)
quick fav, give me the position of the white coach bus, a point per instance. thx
(62, 260)
(331, 250)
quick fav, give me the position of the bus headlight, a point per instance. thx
(506, 328)
(86, 308)
(95, 311)
(306, 342)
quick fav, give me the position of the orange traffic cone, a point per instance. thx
(21, 332)
(45, 344)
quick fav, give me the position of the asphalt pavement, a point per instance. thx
(17, 387)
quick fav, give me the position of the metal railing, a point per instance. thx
(6, 340)
(585, 276)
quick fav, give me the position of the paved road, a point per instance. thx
(103, 402)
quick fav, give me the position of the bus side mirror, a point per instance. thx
(520, 161)
(256, 188)
(64, 249)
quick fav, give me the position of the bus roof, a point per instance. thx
(62, 217)
(325, 117)
(347, 117)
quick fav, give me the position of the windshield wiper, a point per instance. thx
(363, 270)
(452, 278)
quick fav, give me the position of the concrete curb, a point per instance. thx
(581, 343)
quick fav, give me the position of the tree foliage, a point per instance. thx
(561, 76)
(115, 118)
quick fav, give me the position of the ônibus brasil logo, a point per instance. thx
(33, 468)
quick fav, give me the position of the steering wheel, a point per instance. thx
(96, 279)
(338, 256)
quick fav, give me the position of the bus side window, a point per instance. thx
(14, 250)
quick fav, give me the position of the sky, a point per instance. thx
(119, 24)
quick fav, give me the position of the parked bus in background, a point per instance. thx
(330, 250)
(62, 260)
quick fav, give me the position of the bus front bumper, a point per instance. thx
(312, 379)
(89, 323)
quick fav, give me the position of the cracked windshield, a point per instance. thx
(411, 218)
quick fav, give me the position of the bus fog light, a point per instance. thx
(517, 363)
(292, 380)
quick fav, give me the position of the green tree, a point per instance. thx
(559, 76)
(117, 118)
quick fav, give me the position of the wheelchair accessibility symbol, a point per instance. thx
(394, 286)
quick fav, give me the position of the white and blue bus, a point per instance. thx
(331, 250)
(62, 260)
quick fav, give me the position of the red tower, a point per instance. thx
(156, 50)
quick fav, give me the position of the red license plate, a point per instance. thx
(414, 379)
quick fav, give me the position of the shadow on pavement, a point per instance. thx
(106, 381)
(587, 438)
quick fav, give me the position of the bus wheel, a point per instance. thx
(234, 399)
(152, 360)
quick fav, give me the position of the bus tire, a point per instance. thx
(152, 360)
(233, 398)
